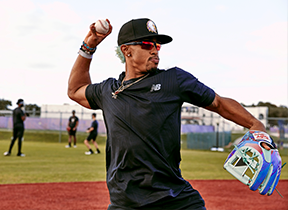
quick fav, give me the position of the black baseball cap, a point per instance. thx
(20, 101)
(143, 28)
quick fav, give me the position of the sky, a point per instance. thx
(238, 48)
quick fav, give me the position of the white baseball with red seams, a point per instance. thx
(102, 26)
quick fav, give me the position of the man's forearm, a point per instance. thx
(233, 111)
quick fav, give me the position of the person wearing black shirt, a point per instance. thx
(93, 132)
(18, 128)
(72, 129)
(142, 114)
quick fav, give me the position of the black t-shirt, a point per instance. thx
(143, 134)
(94, 125)
(17, 117)
(72, 121)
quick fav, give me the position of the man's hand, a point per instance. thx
(94, 38)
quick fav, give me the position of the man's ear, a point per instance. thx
(125, 50)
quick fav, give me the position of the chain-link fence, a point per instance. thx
(197, 135)
(59, 122)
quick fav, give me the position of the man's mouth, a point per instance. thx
(154, 59)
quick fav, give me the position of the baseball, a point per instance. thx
(102, 26)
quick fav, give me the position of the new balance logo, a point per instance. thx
(155, 87)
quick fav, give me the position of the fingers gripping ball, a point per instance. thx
(253, 165)
(102, 26)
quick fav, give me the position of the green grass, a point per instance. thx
(47, 136)
(47, 160)
(51, 162)
(203, 165)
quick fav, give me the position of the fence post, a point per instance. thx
(60, 131)
(217, 136)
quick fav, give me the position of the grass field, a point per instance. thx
(47, 160)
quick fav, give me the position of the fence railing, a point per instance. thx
(40, 121)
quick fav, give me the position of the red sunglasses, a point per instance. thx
(146, 45)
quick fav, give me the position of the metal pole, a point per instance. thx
(60, 126)
(217, 137)
(223, 134)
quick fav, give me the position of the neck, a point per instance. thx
(132, 73)
(129, 75)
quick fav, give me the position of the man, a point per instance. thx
(93, 132)
(72, 129)
(18, 128)
(142, 116)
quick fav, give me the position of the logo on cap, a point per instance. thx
(151, 26)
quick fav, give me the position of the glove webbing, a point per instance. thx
(245, 159)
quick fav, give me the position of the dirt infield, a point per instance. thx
(218, 195)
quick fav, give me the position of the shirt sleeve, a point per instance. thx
(93, 95)
(193, 91)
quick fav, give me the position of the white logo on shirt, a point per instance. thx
(155, 87)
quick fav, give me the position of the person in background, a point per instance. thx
(18, 128)
(72, 129)
(93, 132)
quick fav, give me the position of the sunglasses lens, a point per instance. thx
(158, 46)
(147, 45)
(150, 45)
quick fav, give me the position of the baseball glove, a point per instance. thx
(253, 165)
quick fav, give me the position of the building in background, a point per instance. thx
(191, 114)
(55, 117)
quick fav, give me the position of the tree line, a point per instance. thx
(29, 108)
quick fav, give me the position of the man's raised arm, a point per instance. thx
(80, 77)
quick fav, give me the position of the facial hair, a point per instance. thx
(154, 69)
